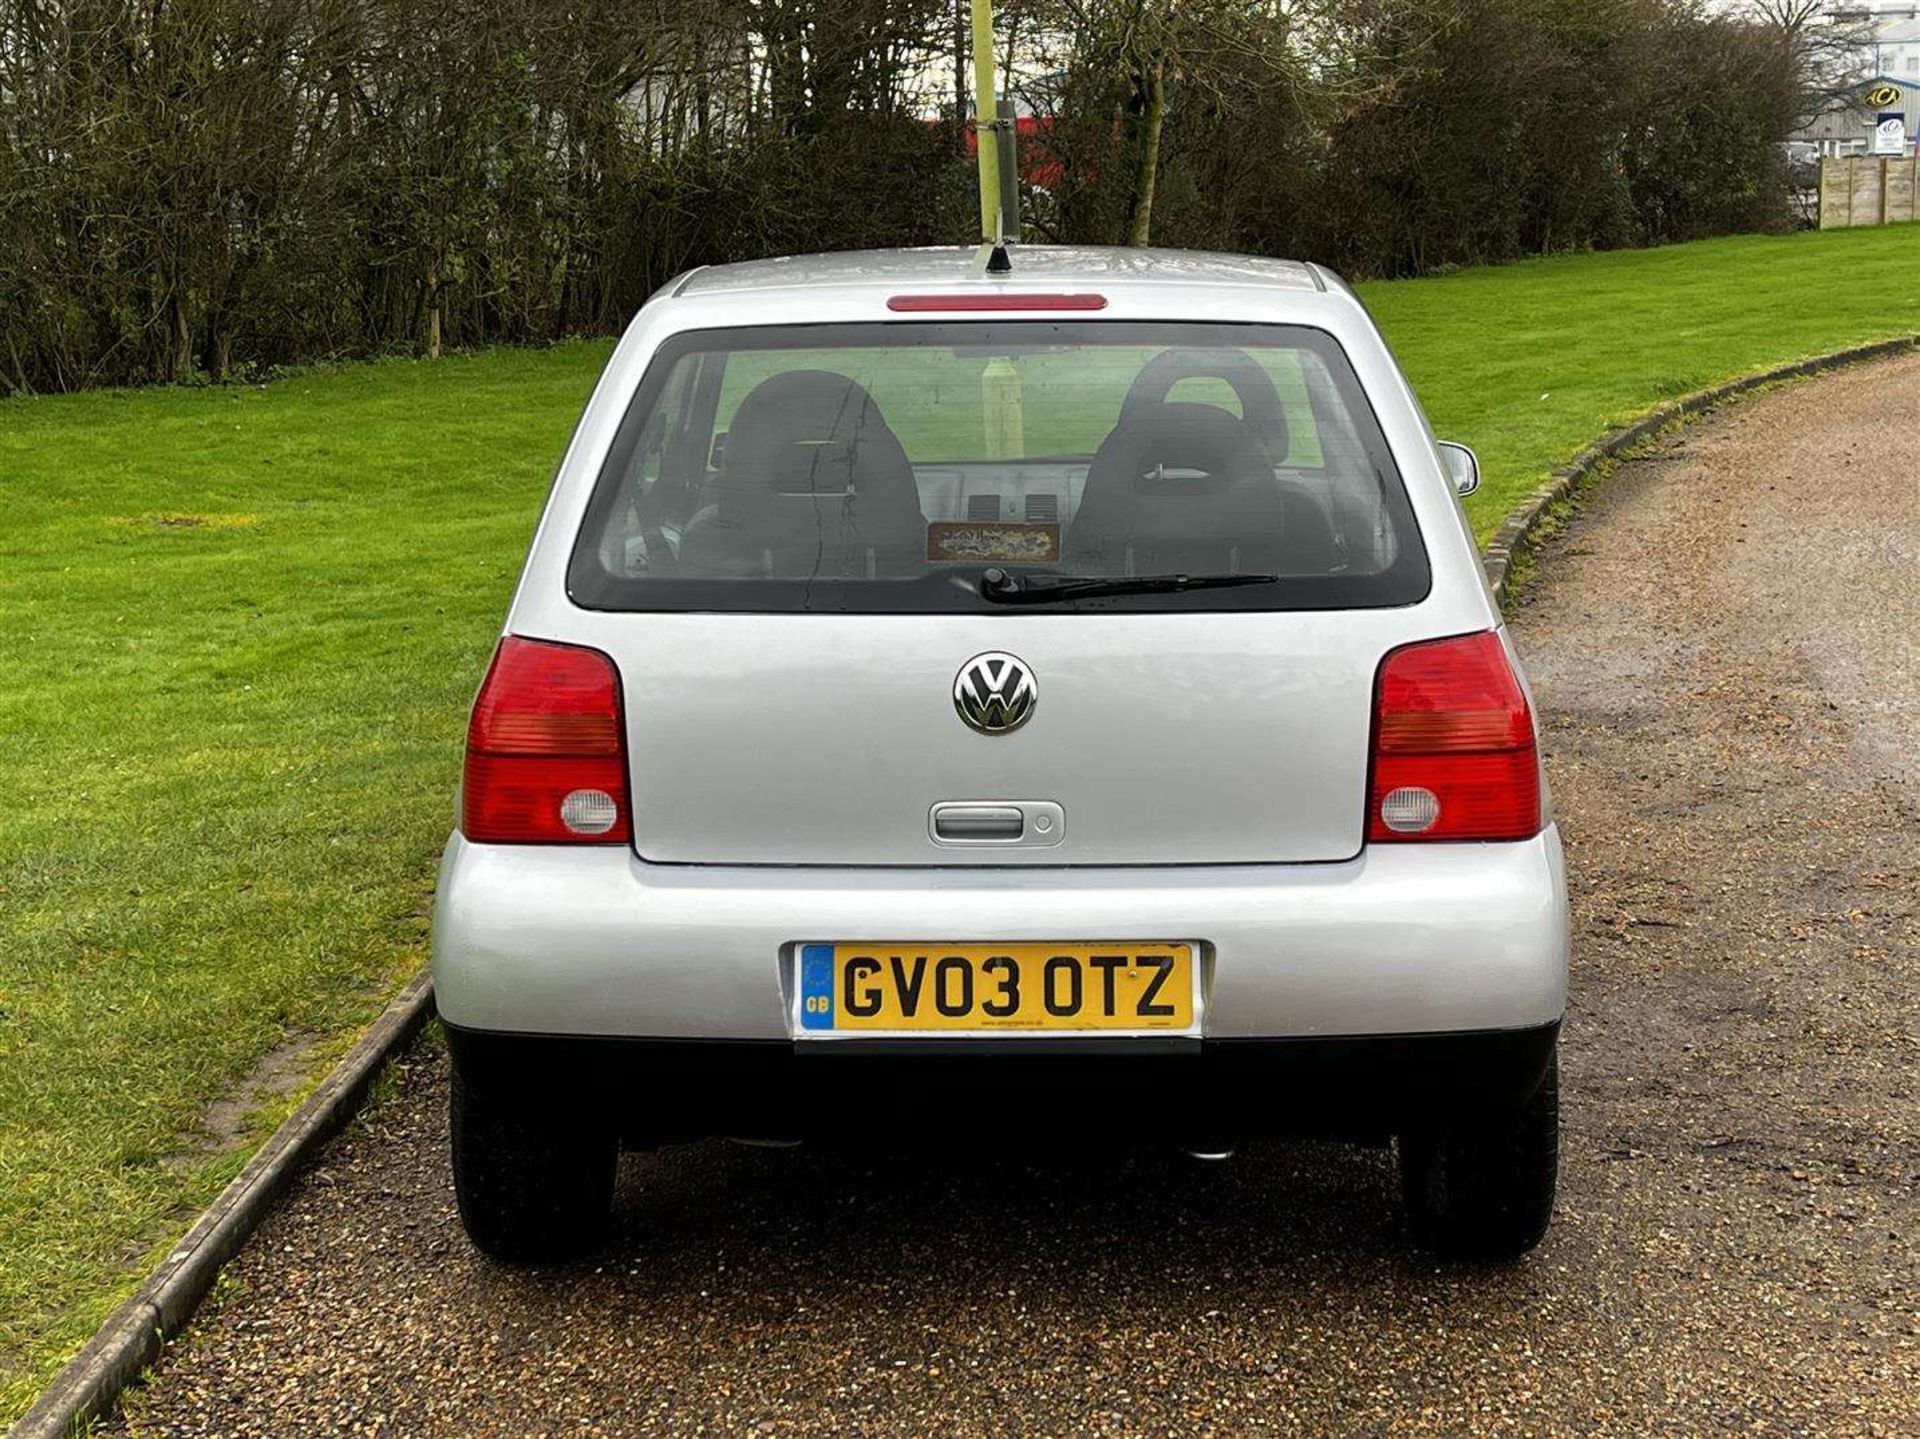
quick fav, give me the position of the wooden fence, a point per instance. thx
(1868, 190)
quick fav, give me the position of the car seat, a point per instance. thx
(813, 483)
(1177, 488)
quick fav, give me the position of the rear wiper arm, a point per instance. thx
(1002, 588)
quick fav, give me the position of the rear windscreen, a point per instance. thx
(895, 467)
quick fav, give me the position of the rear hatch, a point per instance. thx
(798, 547)
(1163, 739)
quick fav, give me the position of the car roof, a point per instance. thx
(1054, 265)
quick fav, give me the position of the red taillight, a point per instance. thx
(996, 300)
(546, 759)
(1453, 747)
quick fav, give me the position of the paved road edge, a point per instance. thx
(1516, 532)
(132, 1338)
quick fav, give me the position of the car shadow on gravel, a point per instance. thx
(796, 1217)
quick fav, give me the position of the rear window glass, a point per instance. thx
(893, 467)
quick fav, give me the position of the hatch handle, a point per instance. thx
(998, 823)
(979, 822)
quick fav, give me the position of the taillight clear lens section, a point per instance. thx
(546, 757)
(1453, 748)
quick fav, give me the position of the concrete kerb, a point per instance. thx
(1516, 531)
(132, 1338)
(134, 1335)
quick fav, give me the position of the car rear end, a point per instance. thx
(942, 708)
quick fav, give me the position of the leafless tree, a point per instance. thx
(1828, 45)
(195, 188)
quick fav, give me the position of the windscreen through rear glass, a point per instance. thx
(894, 467)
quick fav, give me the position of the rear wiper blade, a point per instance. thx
(1005, 589)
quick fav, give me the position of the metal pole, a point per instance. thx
(1007, 139)
(985, 113)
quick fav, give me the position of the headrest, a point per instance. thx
(1176, 449)
(810, 448)
(799, 434)
(1260, 407)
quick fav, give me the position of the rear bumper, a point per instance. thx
(1403, 940)
(1209, 1092)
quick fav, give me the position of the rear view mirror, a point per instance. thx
(1463, 467)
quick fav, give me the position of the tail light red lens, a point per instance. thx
(1454, 755)
(546, 752)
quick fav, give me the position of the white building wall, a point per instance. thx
(1893, 44)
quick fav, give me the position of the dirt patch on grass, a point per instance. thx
(184, 522)
(277, 1076)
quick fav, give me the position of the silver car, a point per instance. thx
(949, 706)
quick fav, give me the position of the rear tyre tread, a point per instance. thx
(531, 1189)
(1484, 1191)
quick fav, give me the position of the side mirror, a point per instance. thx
(1463, 467)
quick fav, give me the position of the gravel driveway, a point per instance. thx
(1723, 647)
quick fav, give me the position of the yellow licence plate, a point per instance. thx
(881, 987)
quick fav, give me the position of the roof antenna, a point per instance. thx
(998, 263)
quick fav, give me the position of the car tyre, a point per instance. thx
(1484, 1190)
(532, 1189)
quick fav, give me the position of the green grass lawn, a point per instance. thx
(1528, 362)
(242, 627)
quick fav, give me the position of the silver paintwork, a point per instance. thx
(1256, 841)
(737, 725)
(1036, 267)
(1406, 938)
